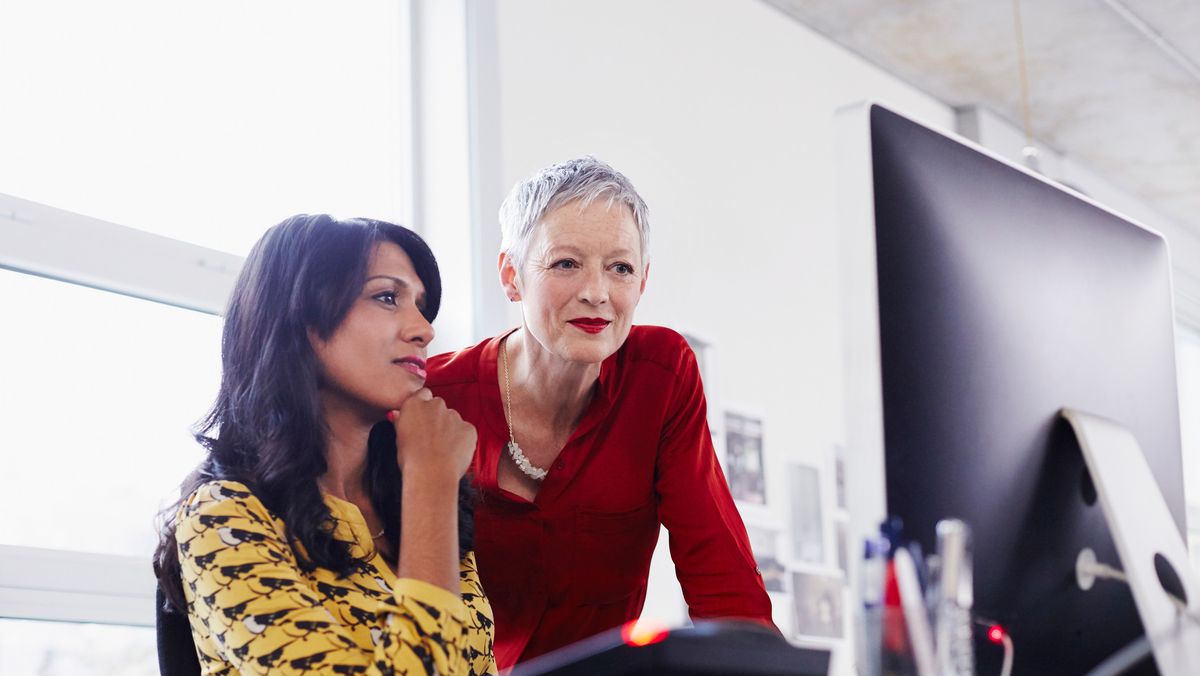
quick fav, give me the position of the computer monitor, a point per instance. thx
(981, 300)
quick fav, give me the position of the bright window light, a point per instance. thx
(205, 122)
(96, 401)
(66, 648)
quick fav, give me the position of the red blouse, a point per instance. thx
(574, 562)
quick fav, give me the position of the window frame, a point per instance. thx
(47, 242)
(70, 586)
(36, 239)
(448, 48)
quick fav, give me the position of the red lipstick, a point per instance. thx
(591, 325)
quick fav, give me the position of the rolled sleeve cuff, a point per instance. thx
(436, 610)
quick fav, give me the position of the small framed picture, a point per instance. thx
(808, 531)
(772, 571)
(818, 604)
(763, 542)
(744, 466)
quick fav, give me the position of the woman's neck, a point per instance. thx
(549, 387)
(346, 435)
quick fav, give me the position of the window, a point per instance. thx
(205, 122)
(68, 649)
(98, 396)
(138, 137)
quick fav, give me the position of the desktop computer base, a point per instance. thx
(1153, 555)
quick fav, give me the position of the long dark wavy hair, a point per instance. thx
(266, 429)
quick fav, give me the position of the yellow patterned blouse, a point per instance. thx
(253, 610)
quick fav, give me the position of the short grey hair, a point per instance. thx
(585, 179)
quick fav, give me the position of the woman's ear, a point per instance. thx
(318, 348)
(508, 277)
(645, 276)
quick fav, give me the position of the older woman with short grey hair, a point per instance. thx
(583, 180)
(592, 431)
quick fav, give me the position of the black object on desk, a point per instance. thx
(728, 648)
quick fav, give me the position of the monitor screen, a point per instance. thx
(1003, 298)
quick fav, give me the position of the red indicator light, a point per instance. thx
(643, 632)
(996, 633)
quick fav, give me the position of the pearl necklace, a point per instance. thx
(514, 451)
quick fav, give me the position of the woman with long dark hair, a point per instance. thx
(317, 536)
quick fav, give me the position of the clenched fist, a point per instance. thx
(432, 440)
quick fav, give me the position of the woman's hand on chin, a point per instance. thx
(432, 440)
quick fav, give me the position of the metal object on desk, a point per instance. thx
(1152, 552)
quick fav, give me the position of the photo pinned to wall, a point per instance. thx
(744, 461)
(808, 532)
(764, 543)
(818, 604)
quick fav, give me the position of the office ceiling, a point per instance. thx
(1114, 84)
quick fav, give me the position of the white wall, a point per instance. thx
(722, 114)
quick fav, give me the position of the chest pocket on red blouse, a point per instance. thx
(611, 552)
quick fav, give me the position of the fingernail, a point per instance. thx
(391, 416)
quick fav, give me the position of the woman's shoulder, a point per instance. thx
(460, 366)
(219, 490)
(222, 497)
(657, 344)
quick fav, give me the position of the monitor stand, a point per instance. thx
(1153, 555)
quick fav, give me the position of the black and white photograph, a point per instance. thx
(764, 541)
(817, 603)
(744, 458)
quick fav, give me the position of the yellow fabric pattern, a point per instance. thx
(254, 610)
